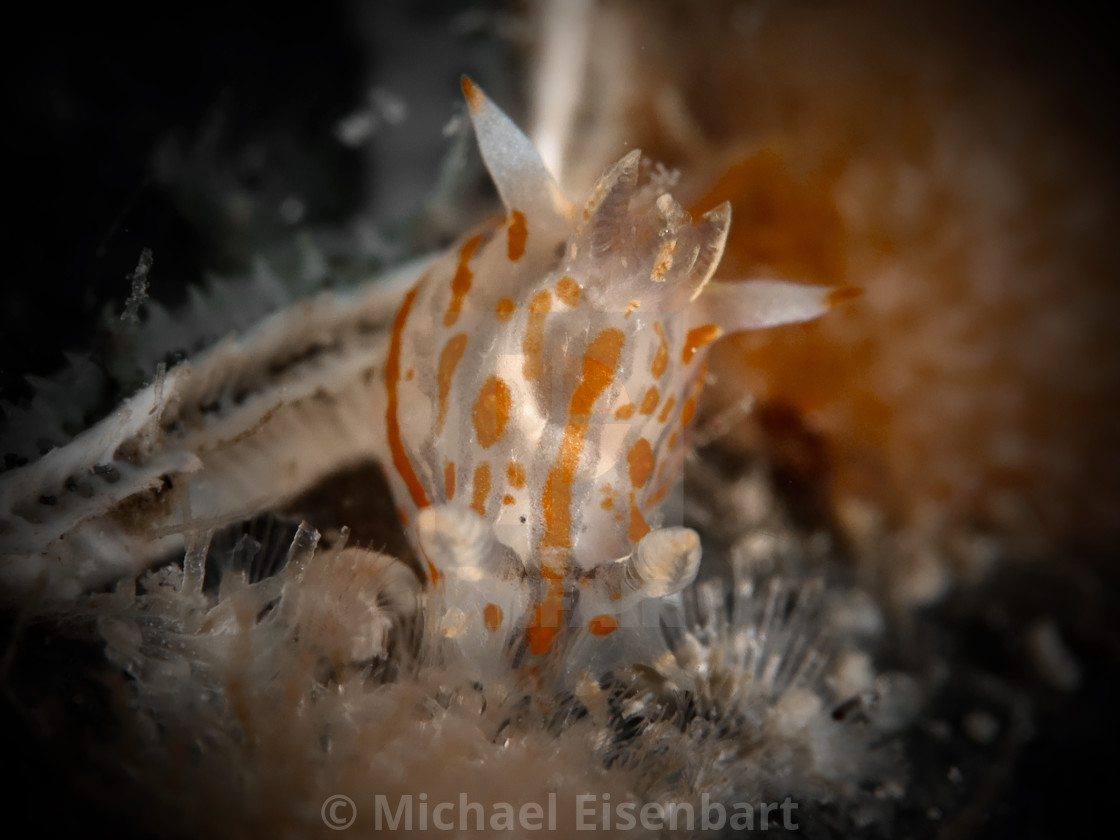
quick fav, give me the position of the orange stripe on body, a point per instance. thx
(517, 233)
(661, 357)
(640, 458)
(481, 488)
(545, 623)
(401, 462)
(687, 410)
(556, 504)
(461, 282)
(449, 358)
(669, 466)
(599, 363)
(666, 409)
(532, 344)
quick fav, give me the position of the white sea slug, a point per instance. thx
(539, 380)
(527, 397)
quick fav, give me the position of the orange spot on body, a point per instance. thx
(481, 488)
(661, 357)
(687, 410)
(602, 625)
(461, 282)
(516, 474)
(540, 638)
(694, 393)
(568, 291)
(492, 617)
(508, 499)
(491, 411)
(449, 358)
(504, 309)
(599, 363)
(433, 572)
(650, 400)
(698, 337)
(666, 409)
(517, 233)
(532, 344)
(608, 497)
(625, 412)
(449, 480)
(545, 623)
(401, 462)
(640, 458)
(638, 525)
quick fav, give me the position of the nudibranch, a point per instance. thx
(527, 397)
(540, 379)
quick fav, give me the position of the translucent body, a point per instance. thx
(539, 380)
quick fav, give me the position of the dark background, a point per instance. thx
(183, 132)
